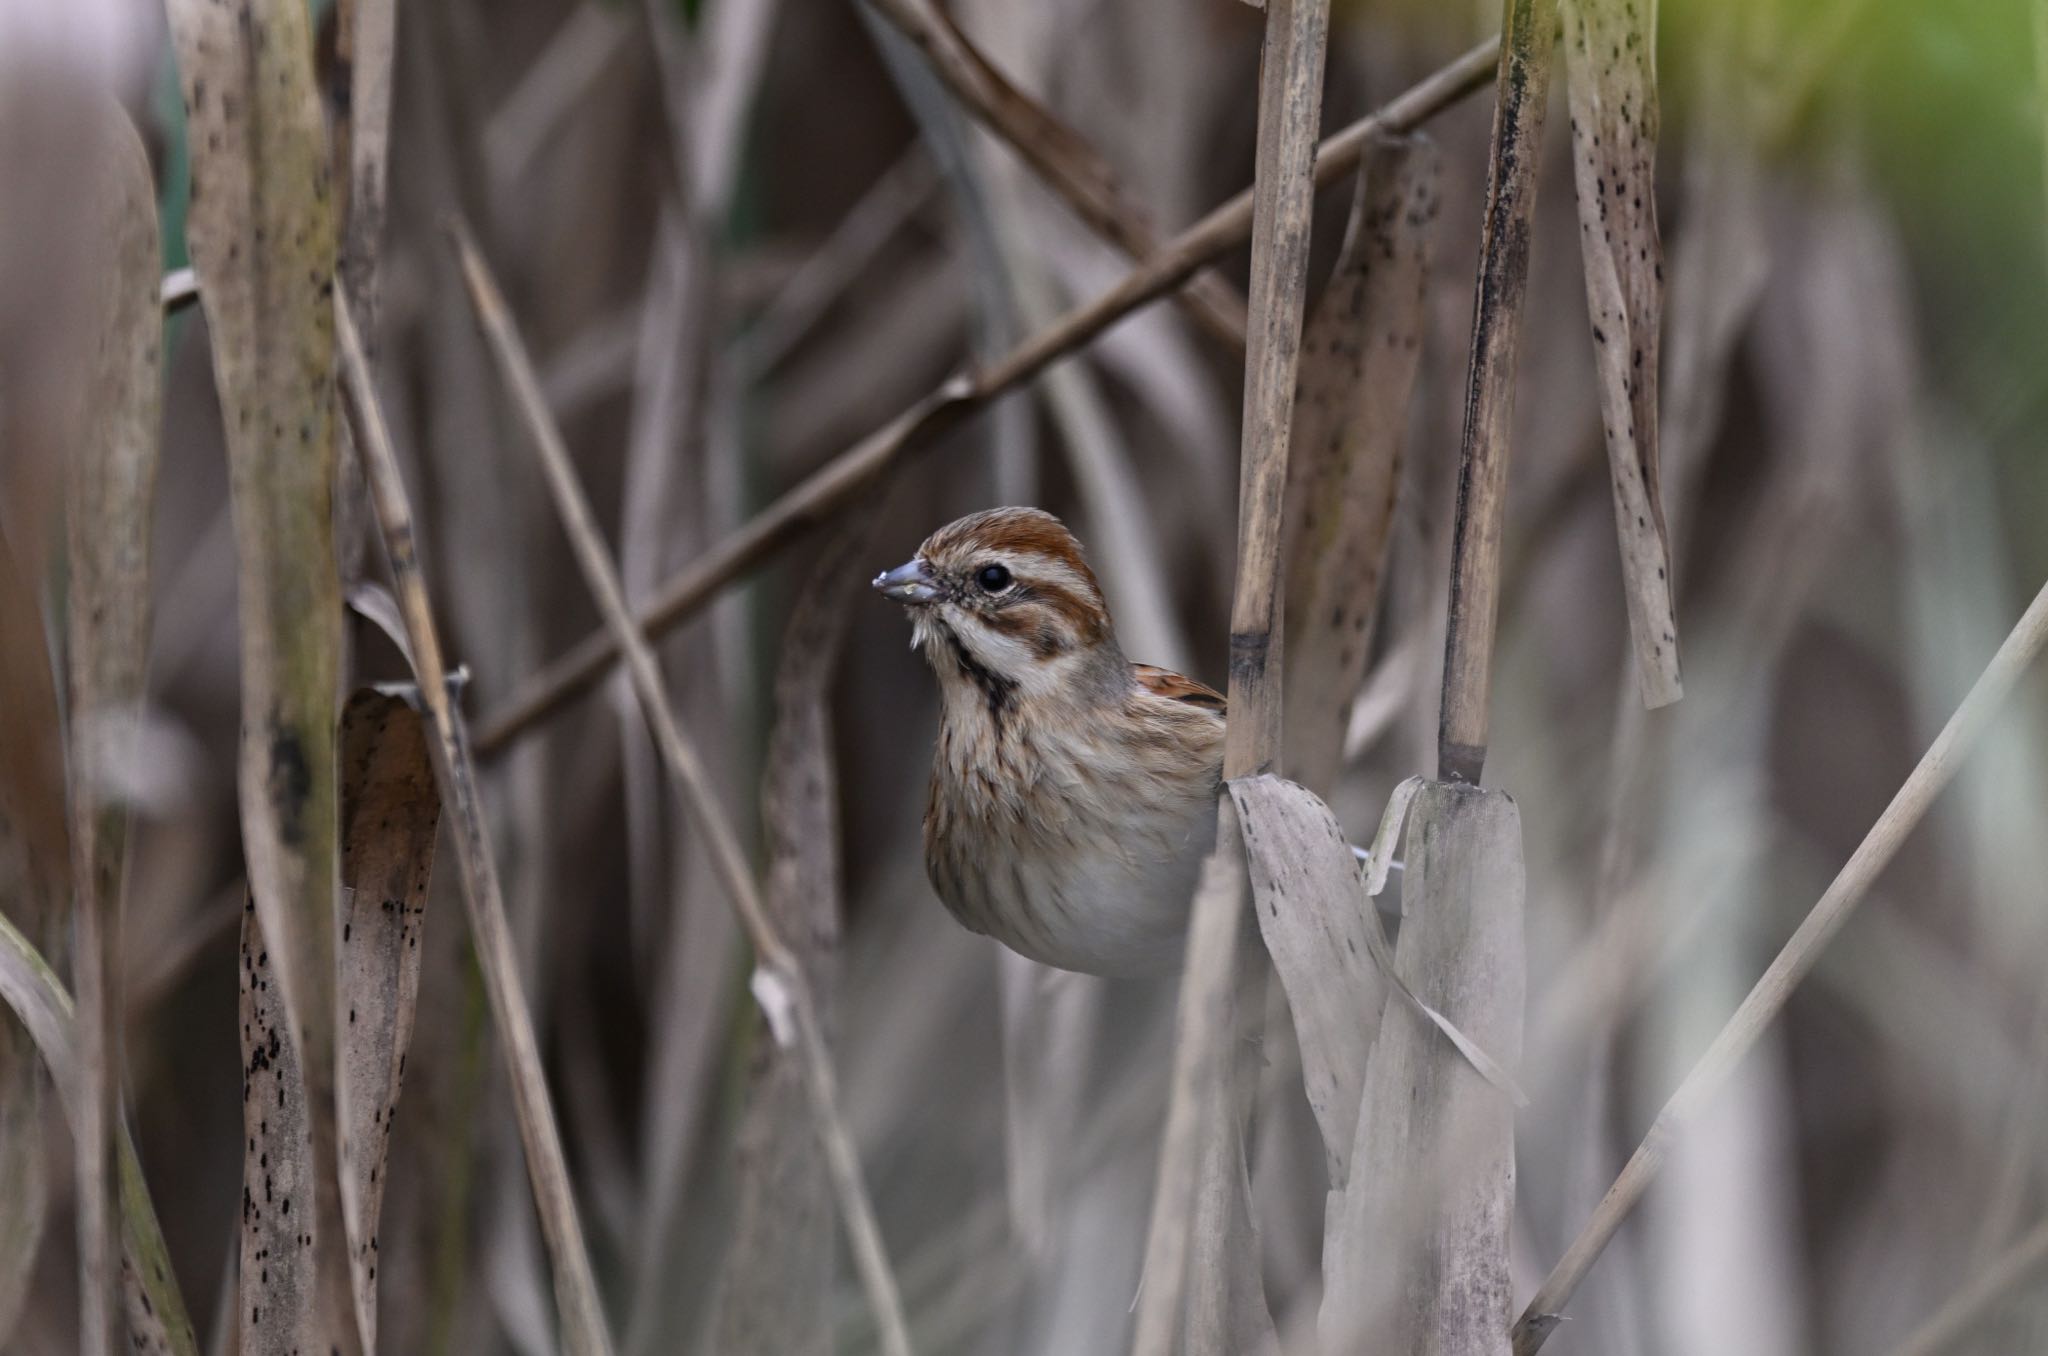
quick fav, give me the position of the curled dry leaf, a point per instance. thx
(1610, 48)
(1360, 354)
(390, 813)
(1315, 918)
(261, 231)
(1417, 1250)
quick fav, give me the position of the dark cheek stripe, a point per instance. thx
(998, 691)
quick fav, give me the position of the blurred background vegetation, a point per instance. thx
(738, 236)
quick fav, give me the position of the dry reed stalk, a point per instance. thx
(1416, 1253)
(580, 1312)
(1523, 84)
(157, 1322)
(261, 229)
(1360, 354)
(1060, 156)
(1201, 1157)
(110, 501)
(1794, 961)
(827, 490)
(1610, 51)
(779, 980)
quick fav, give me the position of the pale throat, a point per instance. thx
(986, 675)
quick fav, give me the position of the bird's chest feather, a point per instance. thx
(1064, 840)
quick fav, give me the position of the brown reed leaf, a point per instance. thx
(1360, 354)
(390, 813)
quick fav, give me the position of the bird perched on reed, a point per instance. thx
(1073, 792)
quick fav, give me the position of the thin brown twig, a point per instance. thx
(1061, 157)
(1937, 767)
(834, 484)
(779, 979)
(576, 1296)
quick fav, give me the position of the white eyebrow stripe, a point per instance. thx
(1035, 568)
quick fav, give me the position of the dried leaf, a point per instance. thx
(1360, 354)
(1312, 909)
(261, 231)
(390, 812)
(110, 497)
(1417, 1249)
(1610, 48)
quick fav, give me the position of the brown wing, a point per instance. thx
(1165, 683)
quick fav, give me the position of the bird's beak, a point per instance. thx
(911, 583)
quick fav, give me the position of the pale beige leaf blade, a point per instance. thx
(110, 497)
(1311, 905)
(1610, 55)
(1417, 1250)
(157, 1320)
(262, 235)
(390, 814)
(1360, 354)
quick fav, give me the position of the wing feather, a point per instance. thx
(1176, 687)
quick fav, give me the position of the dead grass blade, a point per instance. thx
(1417, 1251)
(1523, 86)
(110, 501)
(1360, 355)
(776, 1293)
(580, 1312)
(827, 490)
(1061, 157)
(157, 1321)
(1610, 53)
(261, 230)
(1794, 961)
(390, 812)
(1205, 1163)
(779, 982)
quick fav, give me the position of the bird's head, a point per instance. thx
(1005, 602)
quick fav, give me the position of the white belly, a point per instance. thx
(1099, 887)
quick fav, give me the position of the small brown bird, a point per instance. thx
(1073, 793)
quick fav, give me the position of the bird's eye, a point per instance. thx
(992, 578)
